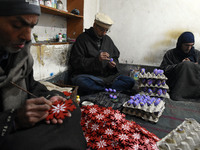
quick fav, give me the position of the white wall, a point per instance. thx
(145, 29)
(91, 7)
(49, 60)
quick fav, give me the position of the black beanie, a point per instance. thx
(19, 7)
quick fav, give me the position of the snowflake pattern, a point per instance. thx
(135, 147)
(101, 144)
(58, 108)
(95, 127)
(136, 136)
(105, 128)
(125, 127)
(100, 116)
(93, 110)
(107, 111)
(61, 109)
(123, 137)
(146, 141)
(109, 131)
(87, 138)
(87, 123)
(118, 116)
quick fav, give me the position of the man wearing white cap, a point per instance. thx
(94, 60)
(22, 116)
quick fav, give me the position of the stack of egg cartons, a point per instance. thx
(153, 84)
(149, 103)
(185, 137)
(144, 106)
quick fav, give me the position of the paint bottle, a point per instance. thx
(42, 2)
(59, 5)
(60, 37)
(78, 99)
(64, 37)
(47, 3)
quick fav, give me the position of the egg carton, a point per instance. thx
(156, 95)
(150, 109)
(152, 76)
(144, 106)
(185, 137)
(154, 86)
(152, 117)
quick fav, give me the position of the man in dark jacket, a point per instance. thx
(22, 116)
(181, 66)
(94, 60)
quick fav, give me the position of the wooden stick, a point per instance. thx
(23, 89)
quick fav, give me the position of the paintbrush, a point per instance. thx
(22, 89)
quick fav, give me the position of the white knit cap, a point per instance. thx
(103, 20)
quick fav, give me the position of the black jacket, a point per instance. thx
(84, 58)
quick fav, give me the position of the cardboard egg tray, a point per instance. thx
(152, 117)
(185, 137)
(156, 95)
(152, 76)
(154, 84)
(147, 112)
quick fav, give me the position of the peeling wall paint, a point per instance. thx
(49, 60)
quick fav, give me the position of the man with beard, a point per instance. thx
(181, 66)
(22, 116)
(94, 60)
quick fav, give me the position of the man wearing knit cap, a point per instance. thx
(181, 66)
(22, 116)
(94, 60)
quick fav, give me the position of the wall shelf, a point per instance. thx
(50, 43)
(74, 22)
(54, 11)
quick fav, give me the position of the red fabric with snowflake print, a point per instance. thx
(105, 128)
(61, 109)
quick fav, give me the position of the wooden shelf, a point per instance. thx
(53, 11)
(74, 22)
(51, 43)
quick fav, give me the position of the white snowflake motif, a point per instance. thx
(123, 137)
(136, 136)
(137, 129)
(109, 131)
(58, 108)
(129, 123)
(146, 141)
(125, 127)
(154, 147)
(95, 127)
(101, 144)
(135, 147)
(113, 123)
(106, 111)
(87, 123)
(93, 110)
(100, 117)
(87, 139)
(118, 116)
